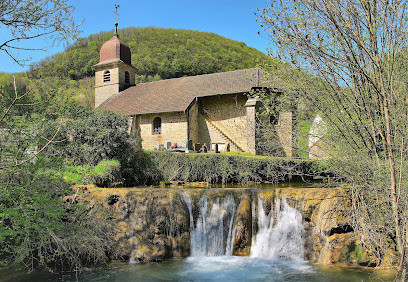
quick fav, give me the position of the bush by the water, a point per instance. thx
(42, 224)
(39, 229)
(219, 168)
(105, 174)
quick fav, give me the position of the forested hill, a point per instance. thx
(157, 53)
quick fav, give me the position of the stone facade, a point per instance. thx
(173, 126)
(251, 109)
(222, 122)
(284, 130)
(117, 83)
(211, 109)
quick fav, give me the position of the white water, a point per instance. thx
(213, 233)
(279, 235)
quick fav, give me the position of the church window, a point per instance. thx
(127, 78)
(157, 125)
(106, 76)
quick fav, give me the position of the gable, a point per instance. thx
(175, 95)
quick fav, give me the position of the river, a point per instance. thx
(223, 268)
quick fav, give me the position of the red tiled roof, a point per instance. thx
(176, 94)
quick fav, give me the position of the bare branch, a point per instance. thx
(49, 141)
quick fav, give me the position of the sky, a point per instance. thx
(233, 19)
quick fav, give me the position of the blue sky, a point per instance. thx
(233, 19)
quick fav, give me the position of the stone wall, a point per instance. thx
(224, 120)
(104, 90)
(227, 114)
(174, 129)
(193, 124)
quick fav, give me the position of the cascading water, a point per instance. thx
(279, 233)
(213, 232)
(162, 224)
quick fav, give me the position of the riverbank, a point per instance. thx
(155, 224)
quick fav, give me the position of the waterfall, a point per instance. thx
(213, 233)
(276, 235)
(279, 233)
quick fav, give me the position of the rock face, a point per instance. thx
(153, 224)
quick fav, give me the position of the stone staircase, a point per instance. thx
(233, 145)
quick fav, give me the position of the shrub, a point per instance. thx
(105, 174)
(219, 168)
(39, 229)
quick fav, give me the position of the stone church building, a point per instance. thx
(211, 109)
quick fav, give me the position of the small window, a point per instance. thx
(127, 78)
(106, 76)
(157, 125)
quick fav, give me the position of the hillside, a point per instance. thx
(157, 53)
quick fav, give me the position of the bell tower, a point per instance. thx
(114, 72)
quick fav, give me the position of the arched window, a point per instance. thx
(157, 125)
(106, 76)
(127, 78)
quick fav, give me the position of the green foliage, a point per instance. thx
(41, 222)
(39, 229)
(353, 253)
(103, 175)
(97, 136)
(156, 53)
(75, 174)
(7, 95)
(219, 168)
(302, 134)
(94, 147)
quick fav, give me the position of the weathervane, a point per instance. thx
(116, 22)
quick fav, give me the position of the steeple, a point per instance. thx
(116, 22)
(115, 49)
(114, 72)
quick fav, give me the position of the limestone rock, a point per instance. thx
(154, 224)
(243, 227)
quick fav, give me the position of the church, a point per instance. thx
(214, 111)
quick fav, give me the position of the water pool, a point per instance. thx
(223, 268)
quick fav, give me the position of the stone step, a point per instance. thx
(233, 146)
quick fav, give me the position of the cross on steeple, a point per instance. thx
(116, 22)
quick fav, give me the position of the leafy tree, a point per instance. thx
(352, 47)
(166, 53)
(39, 229)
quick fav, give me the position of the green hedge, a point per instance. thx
(220, 168)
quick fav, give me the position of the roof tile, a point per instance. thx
(176, 94)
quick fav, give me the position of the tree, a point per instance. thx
(352, 46)
(38, 228)
(23, 20)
